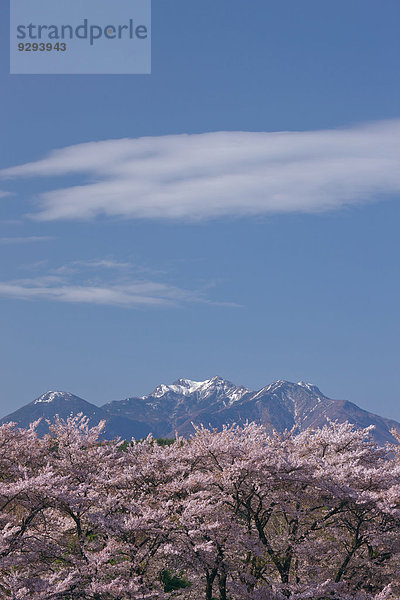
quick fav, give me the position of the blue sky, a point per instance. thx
(256, 254)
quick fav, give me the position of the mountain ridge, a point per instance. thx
(173, 408)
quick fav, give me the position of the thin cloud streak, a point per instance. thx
(135, 293)
(103, 264)
(10, 241)
(110, 265)
(221, 174)
(128, 296)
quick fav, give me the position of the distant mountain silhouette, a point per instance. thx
(50, 404)
(172, 409)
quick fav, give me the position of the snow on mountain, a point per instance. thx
(64, 404)
(182, 386)
(174, 408)
(280, 405)
(199, 389)
(51, 396)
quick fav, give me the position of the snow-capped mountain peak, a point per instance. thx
(51, 396)
(310, 387)
(216, 386)
(222, 388)
(185, 387)
(173, 408)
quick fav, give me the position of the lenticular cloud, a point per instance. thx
(220, 174)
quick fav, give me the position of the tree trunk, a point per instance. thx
(222, 587)
(210, 577)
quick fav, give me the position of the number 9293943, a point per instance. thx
(42, 47)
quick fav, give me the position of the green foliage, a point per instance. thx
(164, 441)
(159, 441)
(173, 581)
(124, 446)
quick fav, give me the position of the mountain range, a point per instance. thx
(171, 409)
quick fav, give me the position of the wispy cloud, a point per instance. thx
(6, 241)
(74, 286)
(201, 176)
(106, 263)
(121, 268)
(135, 295)
(3, 194)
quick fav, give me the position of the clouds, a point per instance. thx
(100, 282)
(220, 174)
(133, 295)
(28, 239)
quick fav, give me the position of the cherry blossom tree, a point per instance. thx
(236, 514)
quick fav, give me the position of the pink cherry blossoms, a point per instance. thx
(230, 515)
